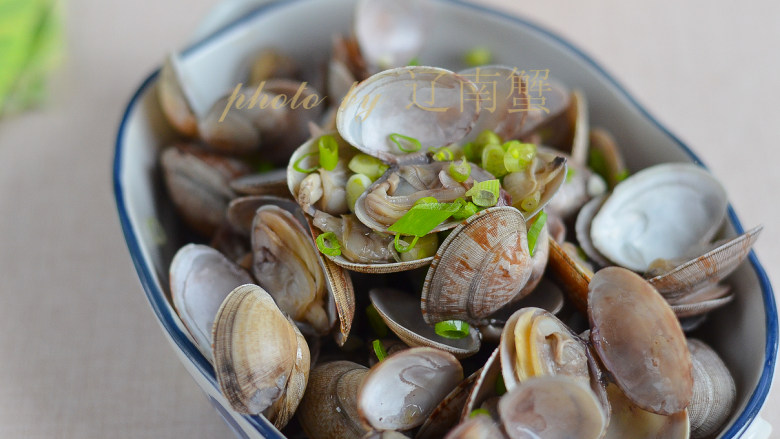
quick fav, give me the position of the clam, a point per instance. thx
(639, 341)
(400, 392)
(272, 183)
(401, 313)
(571, 272)
(257, 352)
(283, 410)
(387, 434)
(604, 145)
(504, 105)
(270, 63)
(582, 229)
(241, 211)
(391, 34)
(481, 266)
(329, 406)
(200, 279)
(486, 387)
(540, 181)
(628, 420)
(301, 280)
(536, 343)
(549, 119)
(419, 102)
(666, 211)
(198, 183)
(702, 301)
(714, 391)
(552, 407)
(175, 98)
(447, 413)
(478, 427)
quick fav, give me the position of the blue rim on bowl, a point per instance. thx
(156, 296)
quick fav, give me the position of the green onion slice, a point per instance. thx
(379, 350)
(329, 152)
(378, 325)
(466, 210)
(493, 160)
(518, 155)
(622, 175)
(400, 248)
(297, 164)
(487, 137)
(371, 167)
(443, 154)
(423, 218)
(452, 329)
(460, 171)
(531, 202)
(356, 185)
(598, 163)
(535, 230)
(478, 412)
(570, 174)
(405, 143)
(414, 62)
(323, 241)
(471, 152)
(477, 56)
(484, 193)
(426, 200)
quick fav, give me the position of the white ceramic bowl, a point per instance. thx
(745, 333)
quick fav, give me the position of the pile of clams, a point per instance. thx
(402, 262)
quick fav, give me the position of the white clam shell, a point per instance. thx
(426, 103)
(200, 279)
(391, 33)
(503, 109)
(665, 211)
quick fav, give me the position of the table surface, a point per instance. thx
(81, 355)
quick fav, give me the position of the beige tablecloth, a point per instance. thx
(81, 355)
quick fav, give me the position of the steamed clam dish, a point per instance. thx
(393, 260)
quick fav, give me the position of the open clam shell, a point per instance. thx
(702, 301)
(605, 144)
(273, 183)
(447, 413)
(241, 211)
(420, 102)
(707, 269)
(714, 391)
(176, 98)
(486, 385)
(329, 406)
(478, 427)
(505, 103)
(639, 341)
(662, 212)
(582, 228)
(401, 392)
(255, 350)
(200, 279)
(401, 313)
(571, 273)
(546, 175)
(628, 420)
(481, 266)
(391, 34)
(552, 407)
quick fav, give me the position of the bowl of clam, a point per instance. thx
(365, 219)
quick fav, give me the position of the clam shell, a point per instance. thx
(407, 101)
(241, 211)
(702, 301)
(447, 413)
(255, 349)
(582, 228)
(573, 276)
(478, 427)
(329, 406)
(708, 268)
(552, 407)
(714, 391)
(485, 385)
(175, 98)
(481, 266)
(628, 420)
(548, 116)
(200, 279)
(504, 107)
(401, 313)
(661, 212)
(517, 182)
(400, 392)
(548, 348)
(282, 411)
(272, 183)
(601, 140)
(639, 340)
(390, 34)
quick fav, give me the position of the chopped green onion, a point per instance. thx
(570, 174)
(581, 253)
(518, 155)
(622, 175)
(452, 329)
(297, 164)
(477, 56)
(493, 160)
(414, 62)
(376, 322)
(329, 152)
(531, 202)
(405, 143)
(401, 248)
(470, 151)
(461, 171)
(487, 137)
(443, 154)
(356, 185)
(334, 249)
(484, 193)
(479, 412)
(371, 167)
(598, 163)
(423, 218)
(426, 247)
(426, 200)
(466, 210)
(535, 230)
(500, 386)
(379, 350)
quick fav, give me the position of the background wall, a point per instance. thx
(81, 355)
